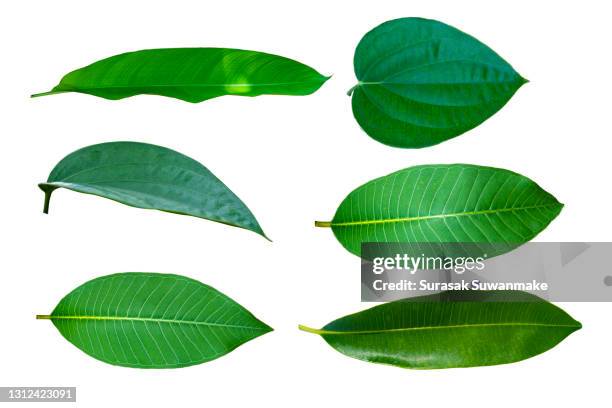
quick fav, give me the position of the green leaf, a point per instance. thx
(151, 177)
(152, 320)
(192, 74)
(422, 82)
(453, 329)
(444, 204)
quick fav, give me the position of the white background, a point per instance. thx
(292, 160)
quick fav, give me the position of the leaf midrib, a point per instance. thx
(192, 85)
(435, 216)
(463, 326)
(152, 320)
(65, 179)
(364, 83)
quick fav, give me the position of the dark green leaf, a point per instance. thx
(151, 320)
(444, 203)
(422, 82)
(192, 74)
(454, 329)
(152, 177)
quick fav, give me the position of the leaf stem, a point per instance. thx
(47, 189)
(323, 224)
(350, 91)
(36, 95)
(43, 317)
(310, 329)
(47, 201)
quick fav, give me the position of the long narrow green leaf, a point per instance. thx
(454, 329)
(422, 82)
(192, 74)
(438, 203)
(151, 177)
(150, 320)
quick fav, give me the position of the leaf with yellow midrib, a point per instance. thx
(149, 320)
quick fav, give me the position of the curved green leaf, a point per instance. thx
(192, 74)
(454, 329)
(422, 82)
(444, 203)
(151, 177)
(152, 320)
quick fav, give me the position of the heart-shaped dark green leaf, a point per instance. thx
(152, 177)
(444, 203)
(422, 82)
(454, 329)
(192, 74)
(152, 320)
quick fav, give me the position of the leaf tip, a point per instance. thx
(561, 206)
(578, 325)
(259, 231)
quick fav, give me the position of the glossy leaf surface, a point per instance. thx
(455, 329)
(151, 177)
(444, 204)
(149, 320)
(422, 82)
(192, 74)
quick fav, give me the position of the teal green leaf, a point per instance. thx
(152, 320)
(438, 203)
(453, 329)
(151, 177)
(192, 74)
(422, 82)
